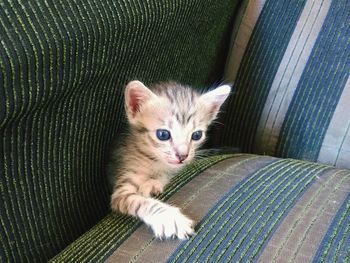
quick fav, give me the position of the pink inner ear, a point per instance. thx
(136, 98)
(134, 104)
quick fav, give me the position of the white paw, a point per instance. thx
(168, 222)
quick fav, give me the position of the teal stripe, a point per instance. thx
(239, 226)
(319, 88)
(260, 63)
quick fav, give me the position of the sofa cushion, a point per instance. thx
(101, 240)
(290, 65)
(248, 208)
(63, 68)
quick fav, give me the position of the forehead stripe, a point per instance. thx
(189, 117)
(170, 97)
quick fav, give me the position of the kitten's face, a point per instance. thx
(171, 120)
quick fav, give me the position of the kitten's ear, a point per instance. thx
(136, 95)
(215, 98)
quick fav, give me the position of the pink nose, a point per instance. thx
(181, 157)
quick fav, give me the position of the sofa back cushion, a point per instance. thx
(63, 68)
(290, 62)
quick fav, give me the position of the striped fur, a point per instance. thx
(143, 165)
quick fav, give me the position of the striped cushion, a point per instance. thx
(290, 62)
(255, 208)
(63, 66)
(100, 241)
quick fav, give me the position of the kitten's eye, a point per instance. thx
(163, 135)
(197, 135)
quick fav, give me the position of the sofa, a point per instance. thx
(284, 196)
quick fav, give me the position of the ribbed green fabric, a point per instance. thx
(99, 242)
(63, 66)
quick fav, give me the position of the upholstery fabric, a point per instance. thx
(102, 239)
(63, 66)
(253, 208)
(290, 65)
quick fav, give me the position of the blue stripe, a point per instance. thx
(243, 221)
(335, 246)
(319, 88)
(263, 55)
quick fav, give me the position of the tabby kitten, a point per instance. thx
(167, 124)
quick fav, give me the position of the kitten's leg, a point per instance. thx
(151, 187)
(165, 220)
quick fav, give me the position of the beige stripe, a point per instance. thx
(195, 199)
(299, 235)
(241, 39)
(343, 159)
(289, 73)
(335, 148)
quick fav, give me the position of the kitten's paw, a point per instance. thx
(169, 222)
(151, 187)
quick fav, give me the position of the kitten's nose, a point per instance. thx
(181, 157)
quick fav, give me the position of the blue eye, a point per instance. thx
(197, 135)
(163, 135)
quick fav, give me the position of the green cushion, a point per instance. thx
(63, 67)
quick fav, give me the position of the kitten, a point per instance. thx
(167, 124)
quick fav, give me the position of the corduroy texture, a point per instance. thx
(253, 208)
(335, 246)
(242, 223)
(195, 199)
(63, 66)
(291, 68)
(99, 242)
